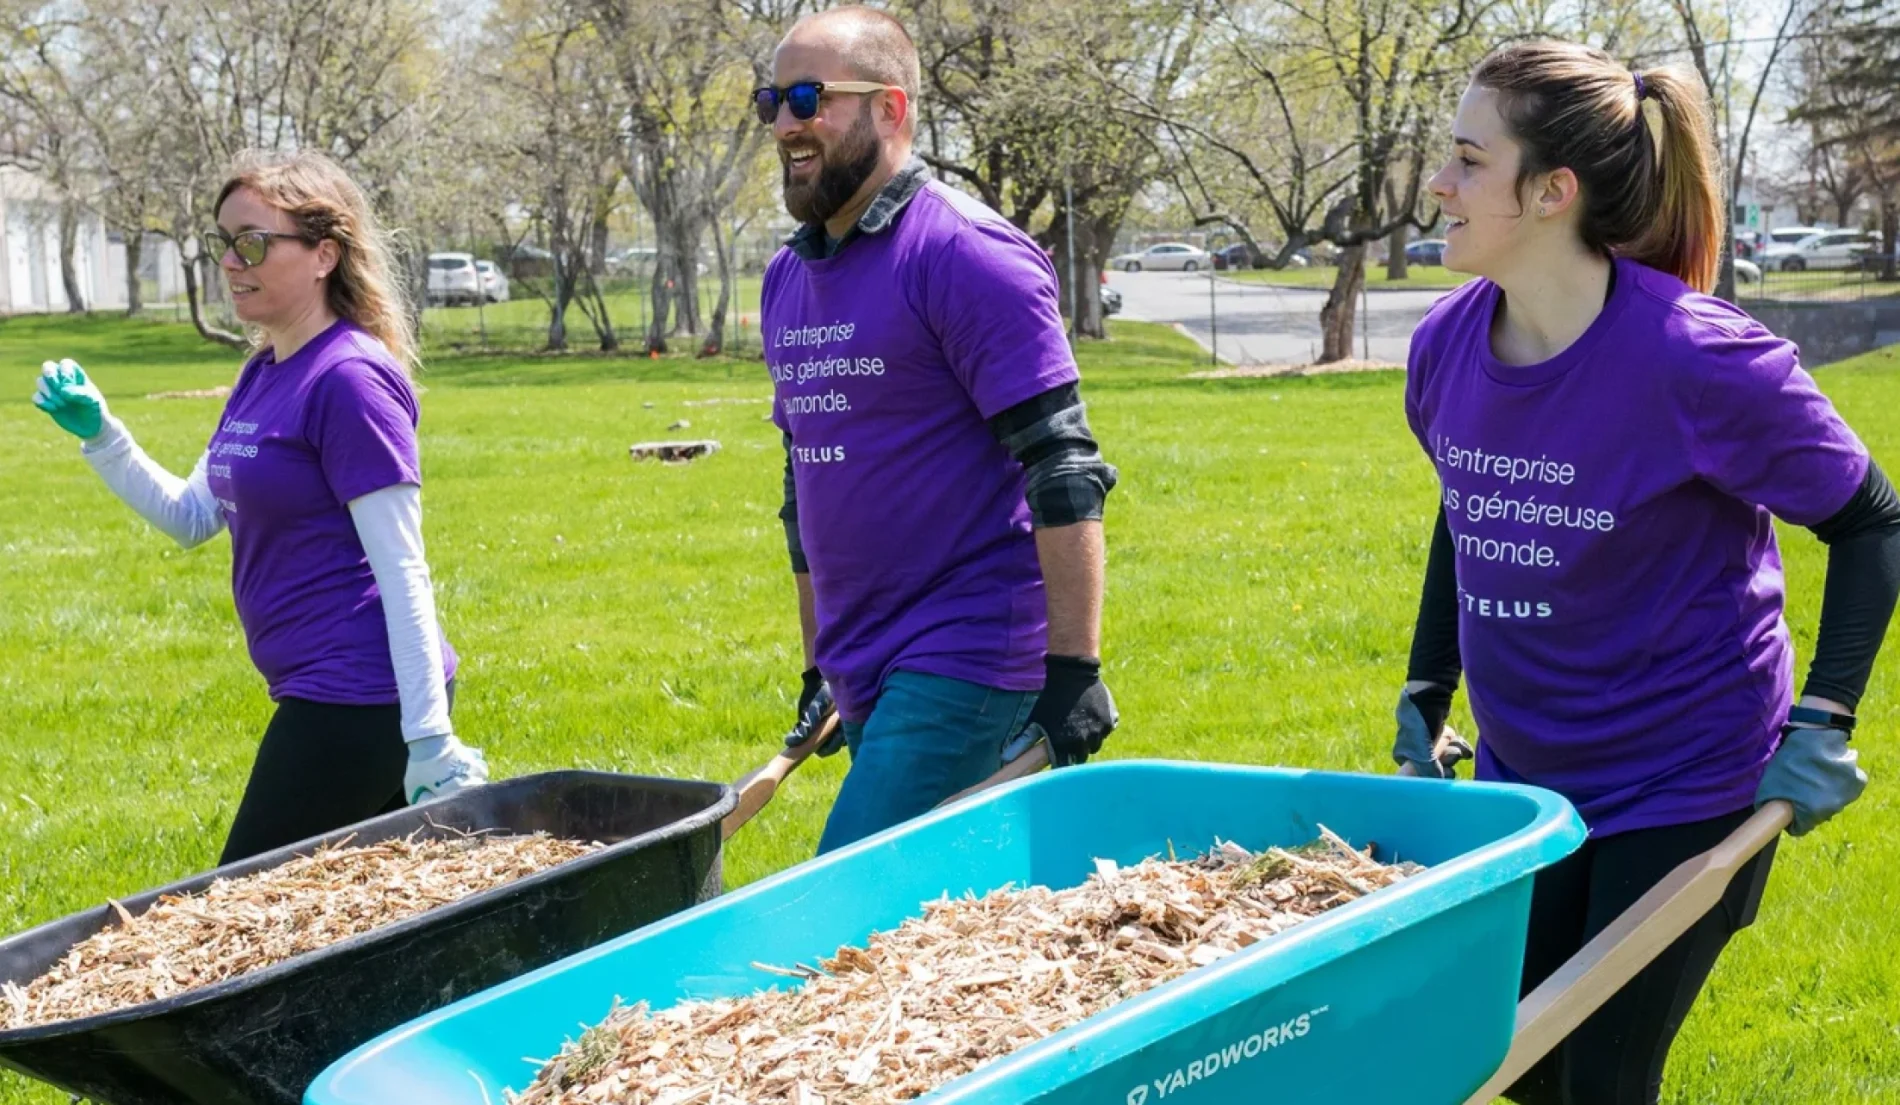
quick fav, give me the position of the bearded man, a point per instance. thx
(943, 492)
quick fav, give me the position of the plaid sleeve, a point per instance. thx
(1067, 479)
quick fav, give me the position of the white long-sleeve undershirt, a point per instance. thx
(183, 510)
(388, 522)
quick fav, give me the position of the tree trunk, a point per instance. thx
(557, 308)
(134, 256)
(597, 257)
(661, 296)
(715, 342)
(1336, 318)
(195, 298)
(68, 245)
(1395, 261)
(1890, 233)
(683, 233)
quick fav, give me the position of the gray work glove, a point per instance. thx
(1421, 715)
(1816, 772)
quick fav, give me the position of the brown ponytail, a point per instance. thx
(325, 203)
(1641, 144)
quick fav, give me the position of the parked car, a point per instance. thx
(453, 279)
(1790, 235)
(1164, 257)
(1833, 249)
(494, 281)
(1426, 251)
(631, 259)
(1238, 256)
(1746, 271)
(1111, 301)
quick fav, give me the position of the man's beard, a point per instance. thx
(843, 171)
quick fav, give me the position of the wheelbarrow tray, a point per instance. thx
(1408, 994)
(260, 1038)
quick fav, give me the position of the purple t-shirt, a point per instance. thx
(1619, 586)
(298, 441)
(886, 360)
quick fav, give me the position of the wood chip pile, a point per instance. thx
(970, 981)
(237, 926)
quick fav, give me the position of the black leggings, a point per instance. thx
(321, 767)
(1616, 1057)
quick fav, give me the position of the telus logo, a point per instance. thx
(1214, 1062)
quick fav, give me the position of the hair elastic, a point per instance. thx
(1642, 90)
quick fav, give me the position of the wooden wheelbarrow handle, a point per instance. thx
(1031, 760)
(756, 788)
(1552, 1011)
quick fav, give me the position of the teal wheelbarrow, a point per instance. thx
(1315, 1013)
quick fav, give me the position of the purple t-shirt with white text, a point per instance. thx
(298, 440)
(1619, 585)
(887, 359)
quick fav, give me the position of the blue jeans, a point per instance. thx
(927, 738)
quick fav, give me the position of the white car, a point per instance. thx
(494, 282)
(453, 278)
(1746, 271)
(1831, 249)
(1164, 257)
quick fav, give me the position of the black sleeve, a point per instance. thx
(1067, 481)
(1435, 656)
(788, 514)
(1863, 583)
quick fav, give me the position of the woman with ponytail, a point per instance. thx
(313, 467)
(1612, 445)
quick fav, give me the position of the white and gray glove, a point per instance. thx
(440, 767)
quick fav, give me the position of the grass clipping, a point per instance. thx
(237, 926)
(970, 981)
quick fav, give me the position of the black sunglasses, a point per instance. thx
(803, 97)
(251, 247)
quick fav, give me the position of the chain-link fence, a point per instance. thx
(1866, 278)
(515, 314)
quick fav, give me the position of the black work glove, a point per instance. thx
(1074, 710)
(814, 706)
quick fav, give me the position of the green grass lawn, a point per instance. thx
(1266, 546)
(522, 322)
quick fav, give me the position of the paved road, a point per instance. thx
(1260, 324)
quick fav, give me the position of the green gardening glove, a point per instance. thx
(73, 401)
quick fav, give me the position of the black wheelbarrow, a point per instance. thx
(260, 1038)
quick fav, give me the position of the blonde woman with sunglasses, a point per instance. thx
(313, 467)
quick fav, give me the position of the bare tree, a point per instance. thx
(553, 138)
(227, 75)
(685, 70)
(1344, 96)
(1013, 110)
(1717, 78)
(41, 124)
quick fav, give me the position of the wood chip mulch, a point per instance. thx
(970, 981)
(237, 926)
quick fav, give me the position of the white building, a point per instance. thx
(29, 254)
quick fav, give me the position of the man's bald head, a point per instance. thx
(872, 44)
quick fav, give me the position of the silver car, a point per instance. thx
(1164, 257)
(1833, 249)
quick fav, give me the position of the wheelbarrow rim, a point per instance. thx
(712, 815)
